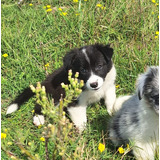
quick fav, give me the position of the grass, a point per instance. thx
(33, 37)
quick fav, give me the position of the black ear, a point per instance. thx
(68, 59)
(106, 51)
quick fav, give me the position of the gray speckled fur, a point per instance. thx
(138, 117)
(127, 117)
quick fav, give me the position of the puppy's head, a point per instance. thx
(93, 62)
(148, 87)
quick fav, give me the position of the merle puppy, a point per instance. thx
(95, 68)
(137, 120)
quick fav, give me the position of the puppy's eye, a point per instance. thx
(83, 70)
(99, 67)
(156, 98)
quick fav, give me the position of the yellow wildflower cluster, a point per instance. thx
(153, 1)
(48, 8)
(61, 12)
(101, 6)
(157, 34)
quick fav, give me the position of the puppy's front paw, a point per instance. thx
(110, 112)
(38, 120)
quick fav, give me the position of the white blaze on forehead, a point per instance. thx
(86, 56)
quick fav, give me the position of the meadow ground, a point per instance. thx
(35, 36)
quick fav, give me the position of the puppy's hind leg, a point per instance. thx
(110, 97)
(38, 118)
(144, 151)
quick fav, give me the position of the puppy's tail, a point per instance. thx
(119, 102)
(22, 98)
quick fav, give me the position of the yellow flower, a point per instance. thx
(103, 8)
(120, 150)
(157, 4)
(101, 147)
(9, 143)
(32, 111)
(48, 6)
(156, 37)
(13, 157)
(30, 4)
(77, 14)
(152, 12)
(128, 147)
(85, 0)
(49, 10)
(36, 155)
(158, 17)
(40, 126)
(46, 65)
(3, 135)
(60, 9)
(5, 55)
(99, 5)
(44, 7)
(75, 1)
(29, 143)
(63, 14)
(117, 86)
(157, 32)
(42, 139)
(153, 1)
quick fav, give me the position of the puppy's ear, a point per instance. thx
(106, 51)
(68, 59)
(140, 85)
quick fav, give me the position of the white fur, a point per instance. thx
(78, 116)
(86, 56)
(147, 141)
(38, 120)
(12, 108)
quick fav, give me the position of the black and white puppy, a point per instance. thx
(137, 120)
(95, 68)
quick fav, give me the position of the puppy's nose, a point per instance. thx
(94, 84)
